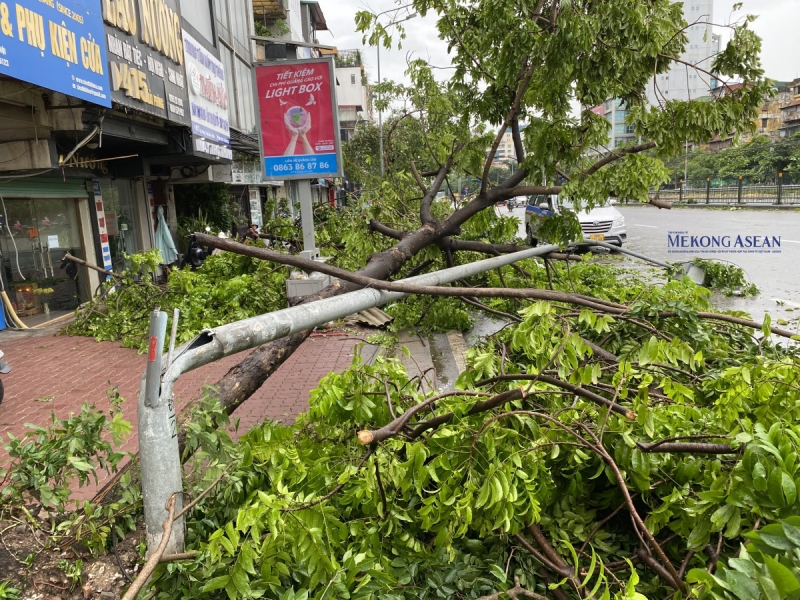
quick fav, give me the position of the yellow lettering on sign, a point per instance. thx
(33, 24)
(148, 37)
(5, 24)
(91, 57)
(161, 29)
(121, 14)
(62, 43)
(134, 83)
(178, 36)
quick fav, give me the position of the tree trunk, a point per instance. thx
(245, 378)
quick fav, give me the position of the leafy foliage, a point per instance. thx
(226, 288)
(728, 278)
(767, 567)
(306, 512)
(46, 461)
(758, 160)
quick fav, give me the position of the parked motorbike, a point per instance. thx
(5, 368)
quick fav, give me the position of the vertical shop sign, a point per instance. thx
(145, 57)
(256, 216)
(56, 45)
(299, 121)
(208, 99)
(102, 228)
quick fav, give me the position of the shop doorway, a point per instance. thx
(36, 233)
(122, 221)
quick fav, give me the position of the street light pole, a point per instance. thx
(380, 111)
(380, 94)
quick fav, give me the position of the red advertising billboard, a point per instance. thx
(299, 121)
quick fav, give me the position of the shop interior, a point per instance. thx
(35, 235)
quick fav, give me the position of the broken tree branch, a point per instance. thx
(418, 179)
(615, 155)
(655, 201)
(449, 243)
(152, 562)
(81, 262)
(431, 290)
(519, 148)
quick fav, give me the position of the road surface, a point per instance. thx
(776, 272)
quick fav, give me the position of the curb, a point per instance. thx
(791, 207)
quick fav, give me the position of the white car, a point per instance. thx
(603, 223)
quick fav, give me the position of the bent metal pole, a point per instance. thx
(159, 457)
(217, 343)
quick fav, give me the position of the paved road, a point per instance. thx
(777, 275)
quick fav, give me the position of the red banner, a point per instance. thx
(298, 119)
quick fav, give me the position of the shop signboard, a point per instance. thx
(145, 57)
(256, 217)
(208, 99)
(299, 119)
(56, 44)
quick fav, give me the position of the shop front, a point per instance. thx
(42, 220)
(122, 220)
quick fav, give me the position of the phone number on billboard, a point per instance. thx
(310, 166)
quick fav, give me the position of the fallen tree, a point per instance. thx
(550, 471)
(543, 468)
(572, 399)
(506, 83)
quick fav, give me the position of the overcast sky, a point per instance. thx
(778, 25)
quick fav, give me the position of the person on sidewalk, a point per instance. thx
(251, 233)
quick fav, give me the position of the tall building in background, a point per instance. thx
(686, 80)
(683, 81)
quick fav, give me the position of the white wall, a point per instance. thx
(295, 20)
(198, 13)
(683, 82)
(348, 93)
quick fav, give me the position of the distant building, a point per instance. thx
(685, 80)
(505, 151)
(352, 92)
(689, 81)
(620, 133)
(790, 112)
(778, 116)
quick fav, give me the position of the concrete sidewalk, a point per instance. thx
(55, 373)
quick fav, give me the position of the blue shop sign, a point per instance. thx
(58, 45)
(309, 166)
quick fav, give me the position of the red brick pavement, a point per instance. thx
(57, 373)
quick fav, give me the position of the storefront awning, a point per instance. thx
(43, 187)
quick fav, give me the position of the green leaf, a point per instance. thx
(766, 327)
(775, 487)
(789, 488)
(498, 573)
(792, 533)
(782, 577)
(742, 586)
(217, 583)
(80, 465)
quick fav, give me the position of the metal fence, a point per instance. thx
(781, 191)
